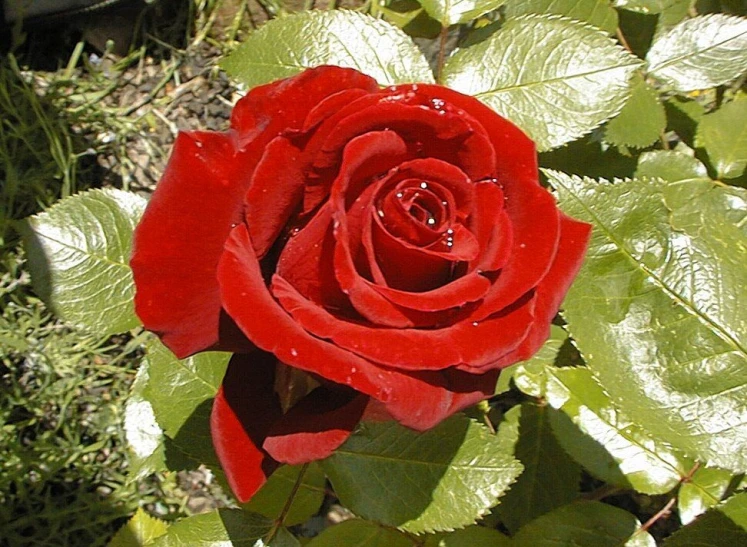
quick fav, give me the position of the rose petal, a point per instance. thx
(315, 426)
(492, 227)
(473, 343)
(574, 239)
(180, 238)
(243, 412)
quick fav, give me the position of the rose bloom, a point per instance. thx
(394, 244)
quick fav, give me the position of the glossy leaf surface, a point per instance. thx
(286, 46)
(555, 78)
(705, 489)
(670, 165)
(474, 536)
(723, 135)
(360, 533)
(700, 53)
(722, 526)
(658, 308)
(597, 13)
(79, 252)
(599, 436)
(442, 479)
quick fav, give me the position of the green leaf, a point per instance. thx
(181, 393)
(546, 355)
(219, 528)
(288, 45)
(597, 13)
(438, 480)
(723, 526)
(608, 444)
(700, 53)
(683, 117)
(670, 165)
(658, 309)
(705, 489)
(452, 12)
(270, 500)
(543, 486)
(641, 121)
(140, 530)
(78, 253)
(360, 533)
(555, 78)
(144, 435)
(473, 536)
(723, 134)
(582, 524)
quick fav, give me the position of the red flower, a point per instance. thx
(395, 243)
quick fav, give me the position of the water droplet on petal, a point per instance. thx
(294, 352)
(522, 245)
(400, 195)
(380, 212)
(424, 185)
(431, 221)
(474, 323)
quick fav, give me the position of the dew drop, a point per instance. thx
(380, 212)
(424, 185)
(198, 144)
(400, 195)
(353, 369)
(522, 245)
(474, 323)
(449, 232)
(438, 104)
(431, 221)
(294, 352)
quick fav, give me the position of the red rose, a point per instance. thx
(395, 243)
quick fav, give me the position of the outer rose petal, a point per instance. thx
(180, 239)
(243, 411)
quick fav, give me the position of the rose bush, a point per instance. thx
(394, 243)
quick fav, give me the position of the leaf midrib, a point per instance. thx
(679, 58)
(721, 331)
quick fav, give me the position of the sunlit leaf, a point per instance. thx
(546, 355)
(543, 486)
(451, 12)
(670, 165)
(583, 524)
(181, 394)
(555, 78)
(658, 309)
(441, 479)
(699, 53)
(288, 45)
(597, 13)
(705, 489)
(78, 253)
(473, 536)
(723, 135)
(641, 121)
(221, 528)
(140, 530)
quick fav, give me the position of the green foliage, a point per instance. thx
(723, 135)
(584, 524)
(541, 487)
(723, 526)
(442, 479)
(670, 165)
(216, 529)
(641, 121)
(556, 79)
(79, 254)
(705, 489)
(314, 38)
(700, 53)
(271, 499)
(597, 13)
(474, 536)
(140, 530)
(360, 533)
(660, 258)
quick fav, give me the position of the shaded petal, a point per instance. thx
(492, 226)
(315, 426)
(179, 240)
(243, 412)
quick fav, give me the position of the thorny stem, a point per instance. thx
(286, 508)
(441, 51)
